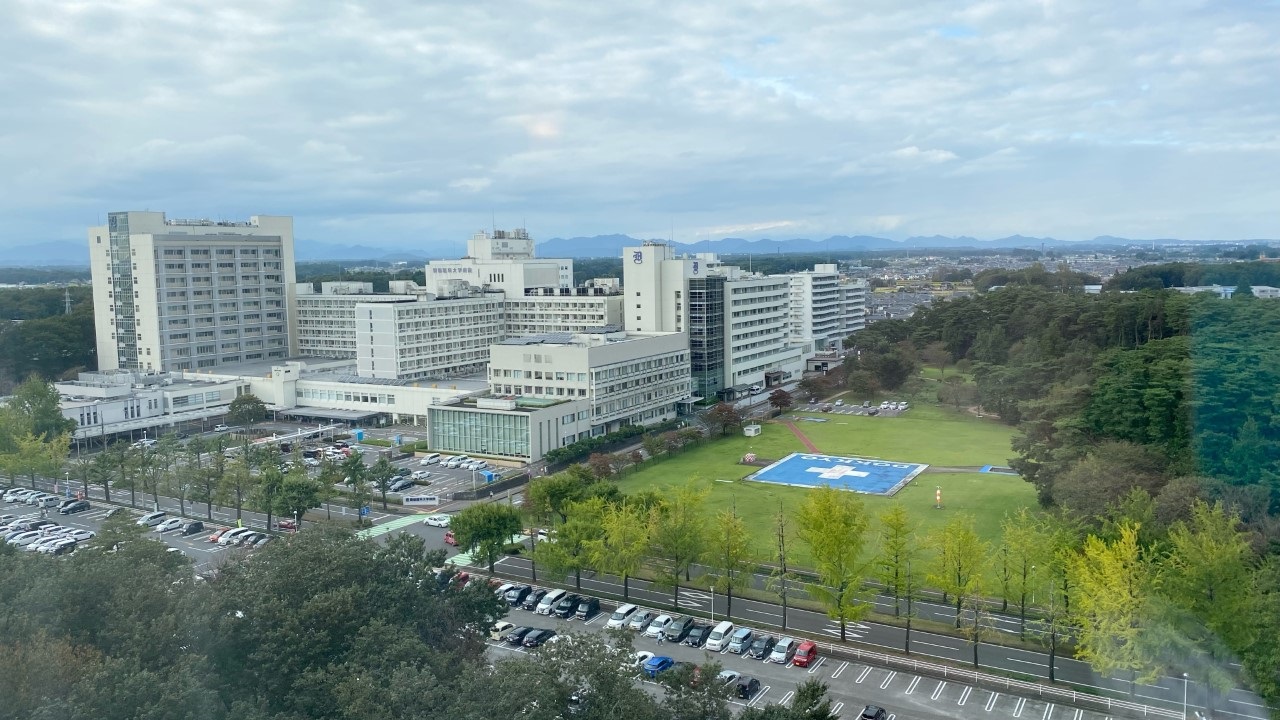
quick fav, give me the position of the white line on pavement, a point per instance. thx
(912, 687)
(866, 671)
(1048, 712)
(839, 670)
(991, 701)
(938, 690)
(888, 679)
(821, 661)
(1017, 708)
(964, 696)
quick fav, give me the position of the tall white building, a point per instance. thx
(853, 306)
(503, 260)
(326, 320)
(562, 310)
(825, 308)
(628, 378)
(191, 294)
(427, 338)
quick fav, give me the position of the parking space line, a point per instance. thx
(817, 665)
(786, 698)
(1079, 714)
(835, 709)
(938, 690)
(839, 670)
(759, 695)
(991, 701)
(1017, 708)
(964, 696)
(865, 673)
(888, 679)
(1048, 712)
(912, 687)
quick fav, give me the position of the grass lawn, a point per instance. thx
(926, 434)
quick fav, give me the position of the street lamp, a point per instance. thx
(1185, 680)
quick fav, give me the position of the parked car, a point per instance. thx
(678, 629)
(418, 475)
(501, 590)
(430, 459)
(401, 484)
(873, 712)
(641, 619)
(587, 608)
(221, 428)
(697, 636)
(621, 616)
(783, 651)
(66, 545)
(500, 629)
(81, 535)
(658, 626)
(746, 687)
(516, 595)
(567, 606)
(761, 647)
(538, 637)
(806, 654)
(191, 527)
(532, 599)
(287, 525)
(48, 501)
(74, 507)
(740, 640)
(656, 665)
(441, 521)
(517, 635)
(170, 524)
(152, 519)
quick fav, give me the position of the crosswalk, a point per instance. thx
(387, 527)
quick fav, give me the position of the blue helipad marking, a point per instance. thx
(874, 477)
(998, 470)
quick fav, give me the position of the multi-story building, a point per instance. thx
(503, 260)
(108, 403)
(191, 294)
(628, 378)
(853, 306)
(326, 320)
(544, 310)
(427, 338)
(816, 308)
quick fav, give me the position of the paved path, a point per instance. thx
(804, 440)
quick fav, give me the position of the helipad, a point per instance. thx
(874, 477)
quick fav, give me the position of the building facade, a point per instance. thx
(191, 294)
(503, 260)
(326, 320)
(427, 338)
(562, 310)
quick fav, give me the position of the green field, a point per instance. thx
(926, 434)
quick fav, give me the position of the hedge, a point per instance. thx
(583, 448)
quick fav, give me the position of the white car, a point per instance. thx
(80, 535)
(47, 501)
(170, 524)
(152, 519)
(420, 475)
(221, 428)
(311, 462)
(437, 521)
(658, 626)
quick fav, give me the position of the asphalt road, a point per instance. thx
(851, 685)
(1167, 692)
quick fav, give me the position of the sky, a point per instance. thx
(411, 124)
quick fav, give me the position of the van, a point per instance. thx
(234, 535)
(549, 601)
(806, 654)
(430, 459)
(620, 617)
(719, 637)
(740, 640)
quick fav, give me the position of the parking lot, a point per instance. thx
(886, 409)
(851, 684)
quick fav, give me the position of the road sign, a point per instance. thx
(420, 500)
(364, 511)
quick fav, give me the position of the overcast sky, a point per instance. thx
(411, 124)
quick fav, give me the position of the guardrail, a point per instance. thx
(1063, 696)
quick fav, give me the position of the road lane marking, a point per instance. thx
(1017, 708)
(938, 690)
(839, 670)
(817, 665)
(991, 701)
(1048, 712)
(888, 679)
(912, 687)
(865, 673)
(964, 696)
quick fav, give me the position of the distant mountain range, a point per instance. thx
(61, 253)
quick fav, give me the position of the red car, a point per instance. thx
(289, 525)
(449, 539)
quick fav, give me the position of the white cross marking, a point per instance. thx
(837, 472)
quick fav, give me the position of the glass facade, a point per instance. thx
(706, 334)
(481, 433)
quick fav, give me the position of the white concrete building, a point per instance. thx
(655, 285)
(1227, 291)
(627, 378)
(326, 320)
(108, 403)
(853, 306)
(191, 294)
(816, 309)
(503, 260)
(427, 338)
(562, 310)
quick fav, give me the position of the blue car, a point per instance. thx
(657, 664)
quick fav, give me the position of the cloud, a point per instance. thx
(420, 119)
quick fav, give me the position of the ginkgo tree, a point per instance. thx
(833, 524)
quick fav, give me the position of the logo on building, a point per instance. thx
(637, 257)
(695, 267)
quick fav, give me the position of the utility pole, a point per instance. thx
(66, 299)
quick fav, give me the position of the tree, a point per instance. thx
(485, 529)
(622, 544)
(267, 493)
(1113, 586)
(812, 386)
(898, 549)
(937, 355)
(833, 524)
(246, 410)
(652, 444)
(962, 555)
(298, 494)
(552, 495)
(1024, 545)
(238, 483)
(725, 416)
(574, 538)
(730, 554)
(601, 465)
(781, 399)
(782, 577)
(678, 536)
(38, 406)
(382, 474)
(957, 392)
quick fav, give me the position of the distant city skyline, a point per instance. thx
(411, 126)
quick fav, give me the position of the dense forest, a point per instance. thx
(38, 337)
(1178, 274)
